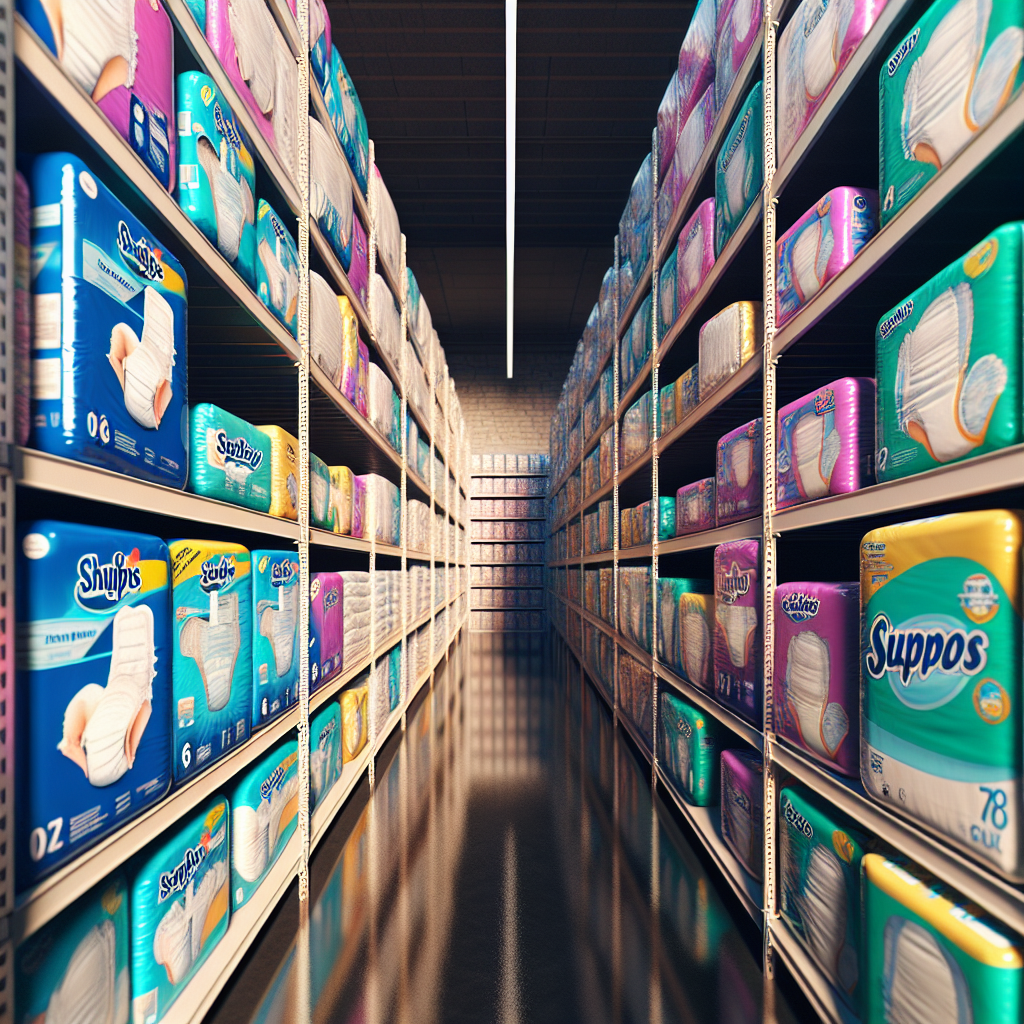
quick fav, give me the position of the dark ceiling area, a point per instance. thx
(431, 80)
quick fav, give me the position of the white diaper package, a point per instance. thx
(275, 634)
(386, 319)
(325, 327)
(330, 191)
(324, 753)
(357, 610)
(277, 267)
(389, 234)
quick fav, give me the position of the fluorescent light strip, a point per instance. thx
(510, 176)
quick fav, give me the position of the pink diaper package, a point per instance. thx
(738, 473)
(683, 160)
(817, 671)
(738, 31)
(359, 269)
(326, 627)
(697, 58)
(821, 243)
(826, 442)
(738, 627)
(743, 808)
(695, 507)
(696, 253)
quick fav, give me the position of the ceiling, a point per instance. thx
(431, 80)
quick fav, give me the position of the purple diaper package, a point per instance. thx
(738, 473)
(743, 808)
(821, 243)
(696, 253)
(359, 269)
(695, 507)
(825, 442)
(817, 671)
(738, 627)
(122, 55)
(739, 31)
(697, 57)
(326, 627)
(683, 159)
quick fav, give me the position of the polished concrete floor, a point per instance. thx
(510, 866)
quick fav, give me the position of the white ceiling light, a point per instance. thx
(510, 176)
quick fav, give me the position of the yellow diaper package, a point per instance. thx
(284, 473)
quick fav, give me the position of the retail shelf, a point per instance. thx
(351, 772)
(739, 239)
(627, 396)
(287, 24)
(362, 208)
(509, 474)
(509, 519)
(939, 189)
(65, 476)
(723, 122)
(595, 438)
(562, 562)
(742, 530)
(747, 732)
(994, 471)
(634, 733)
(506, 586)
(514, 563)
(598, 556)
(328, 539)
(196, 42)
(975, 882)
(79, 109)
(706, 822)
(822, 996)
(635, 551)
(589, 616)
(337, 272)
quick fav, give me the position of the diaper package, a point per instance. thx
(216, 173)
(743, 808)
(229, 459)
(696, 639)
(354, 718)
(330, 192)
(928, 951)
(358, 608)
(350, 350)
(389, 234)
(341, 499)
(277, 267)
(180, 907)
(689, 743)
(738, 473)
(821, 243)
(668, 293)
(319, 40)
(109, 360)
(941, 678)
(695, 255)
(820, 858)
(275, 634)
(813, 49)
(212, 652)
(383, 509)
(825, 442)
(670, 591)
(688, 150)
(284, 472)
(817, 671)
(93, 692)
(948, 362)
(326, 627)
(695, 507)
(738, 627)
(324, 752)
(739, 168)
(359, 268)
(326, 327)
(320, 508)
(942, 85)
(122, 54)
(264, 814)
(738, 31)
(697, 56)
(76, 966)
(728, 340)
(380, 406)
(349, 120)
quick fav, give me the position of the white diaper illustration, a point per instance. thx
(252, 28)
(214, 646)
(737, 823)
(283, 284)
(179, 936)
(103, 725)
(91, 991)
(939, 403)
(329, 184)
(254, 833)
(810, 255)
(740, 461)
(951, 91)
(923, 984)
(96, 42)
(822, 726)
(233, 204)
(693, 258)
(696, 639)
(667, 625)
(318, 763)
(822, 906)
(738, 176)
(823, 45)
(816, 448)
(738, 624)
(325, 327)
(278, 626)
(318, 493)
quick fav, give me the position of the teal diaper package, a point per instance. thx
(948, 362)
(229, 459)
(689, 745)
(941, 684)
(321, 512)
(275, 634)
(264, 815)
(180, 906)
(277, 267)
(75, 968)
(324, 752)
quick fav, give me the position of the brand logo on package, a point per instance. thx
(238, 450)
(177, 879)
(919, 651)
(217, 574)
(732, 585)
(685, 728)
(139, 254)
(282, 573)
(101, 585)
(800, 607)
(903, 51)
(890, 323)
(273, 781)
(330, 598)
(278, 227)
(326, 733)
(796, 819)
(226, 126)
(812, 22)
(824, 402)
(979, 598)
(738, 141)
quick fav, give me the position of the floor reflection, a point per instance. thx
(511, 866)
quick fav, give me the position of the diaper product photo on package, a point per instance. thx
(121, 52)
(948, 362)
(738, 476)
(229, 459)
(324, 752)
(695, 254)
(284, 472)
(264, 806)
(179, 906)
(737, 31)
(277, 267)
(743, 808)
(941, 679)
(108, 349)
(739, 169)
(275, 634)
(213, 682)
(695, 507)
(738, 627)
(326, 627)
(697, 639)
(93, 691)
(689, 745)
(727, 341)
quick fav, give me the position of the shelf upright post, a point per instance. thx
(371, 202)
(302, 17)
(403, 373)
(655, 515)
(615, 474)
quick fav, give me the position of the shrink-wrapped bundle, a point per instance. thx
(743, 808)
(330, 192)
(327, 610)
(389, 234)
(695, 507)
(738, 473)
(738, 32)
(277, 267)
(739, 169)
(346, 113)
(386, 319)
(326, 327)
(284, 472)
(341, 499)
(689, 741)
(727, 341)
(695, 253)
(229, 459)
(692, 140)
(380, 408)
(275, 636)
(738, 666)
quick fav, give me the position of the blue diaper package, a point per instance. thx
(229, 459)
(264, 815)
(275, 634)
(179, 908)
(324, 753)
(108, 348)
(93, 690)
(216, 173)
(346, 113)
(277, 267)
(75, 968)
(212, 601)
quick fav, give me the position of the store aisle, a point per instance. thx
(486, 880)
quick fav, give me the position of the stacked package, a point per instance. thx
(326, 627)
(275, 637)
(325, 761)
(738, 473)
(354, 707)
(383, 406)
(695, 255)
(738, 662)
(356, 620)
(326, 328)
(330, 192)
(417, 521)
(277, 267)
(635, 604)
(696, 507)
(743, 808)
(689, 742)
(386, 319)
(739, 170)
(381, 510)
(636, 697)
(737, 31)
(284, 472)
(389, 235)
(727, 341)
(636, 430)
(229, 459)
(635, 347)
(688, 150)
(346, 113)
(635, 233)
(684, 642)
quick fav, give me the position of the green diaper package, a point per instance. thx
(689, 742)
